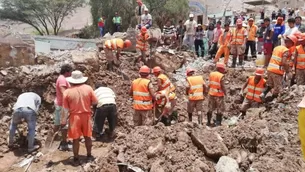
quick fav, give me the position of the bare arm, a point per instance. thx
(159, 84)
(244, 86)
(151, 90)
(131, 91)
(205, 89)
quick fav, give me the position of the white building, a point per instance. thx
(199, 9)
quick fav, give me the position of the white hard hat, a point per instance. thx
(145, 9)
(191, 15)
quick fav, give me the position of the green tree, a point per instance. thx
(161, 11)
(40, 14)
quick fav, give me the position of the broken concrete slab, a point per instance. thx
(210, 143)
(155, 149)
(227, 164)
(85, 58)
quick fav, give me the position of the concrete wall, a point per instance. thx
(60, 43)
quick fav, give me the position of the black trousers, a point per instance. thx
(199, 44)
(251, 45)
(213, 49)
(108, 111)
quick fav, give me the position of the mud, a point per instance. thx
(266, 140)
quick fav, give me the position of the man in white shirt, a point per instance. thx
(106, 108)
(290, 30)
(139, 10)
(26, 108)
(190, 30)
(146, 19)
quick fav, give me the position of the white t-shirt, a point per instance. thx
(190, 27)
(146, 19)
(290, 31)
(104, 96)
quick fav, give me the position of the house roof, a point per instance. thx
(258, 2)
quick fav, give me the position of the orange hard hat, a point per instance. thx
(259, 71)
(293, 38)
(143, 29)
(127, 43)
(156, 69)
(189, 71)
(144, 69)
(220, 65)
(239, 21)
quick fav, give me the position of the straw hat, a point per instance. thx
(77, 78)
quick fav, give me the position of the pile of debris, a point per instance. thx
(267, 136)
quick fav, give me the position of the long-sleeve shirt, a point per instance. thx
(28, 99)
(278, 30)
(199, 35)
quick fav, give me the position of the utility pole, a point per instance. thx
(224, 12)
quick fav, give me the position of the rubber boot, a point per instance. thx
(200, 118)
(240, 61)
(234, 62)
(190, 116)
(218, 119)
(243, 114)
(209, 117)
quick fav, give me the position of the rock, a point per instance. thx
(167, 62)
(6, 119)
(85, 58)
(155, 149)
(183, 137)
(90, 167)
(25, 70)
(210, 143)
(156, 167)
(3, 72)
(120, 157)
(200, 166)
(227, 164)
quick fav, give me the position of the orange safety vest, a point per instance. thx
(142, 43)
(165, 82)
(252, 32)
(196, 87)
(254, 91)
(162, 101)
(225, 40)
(301, 57)
(238, 36)
(275, 64)
(142, 100)
(114, 44)
(215, 84)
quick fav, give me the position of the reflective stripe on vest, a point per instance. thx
(215, 84)
(165, 82)
(142, 100)
(238, 36)
(301, 57)
(254, 91)
(142, 43)
(275, 64)
(196, 87)
(114, 44)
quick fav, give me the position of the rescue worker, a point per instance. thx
(195, 90)
(238, 43)
(142, 44)
(278, 65)
(163, 81)
(217, 92)
(253, 88)
(117, 45)
(251, 41)
(299, 61)
(224, 44)
(166, 101)
(143, 94)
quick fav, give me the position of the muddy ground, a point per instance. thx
(266, 140)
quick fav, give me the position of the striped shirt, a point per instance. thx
(104, 96)
(169, 30)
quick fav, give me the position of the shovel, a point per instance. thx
(51, 144)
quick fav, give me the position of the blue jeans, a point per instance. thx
(101, 31)
(30, 117)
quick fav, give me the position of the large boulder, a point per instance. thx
(210, 143)
(167, 61)
(227, 164)
(89, 58)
